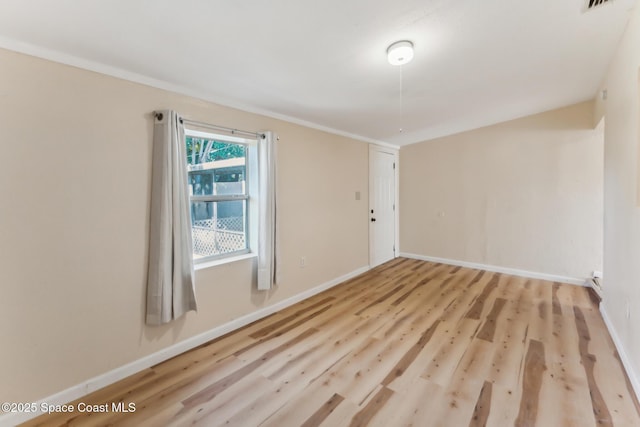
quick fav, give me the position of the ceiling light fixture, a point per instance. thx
(400, 53)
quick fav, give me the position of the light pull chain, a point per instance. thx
(401, 103)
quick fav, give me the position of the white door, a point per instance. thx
(382, 197)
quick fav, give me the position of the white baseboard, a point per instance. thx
(96, 383)
(497, 269)
(626, 362)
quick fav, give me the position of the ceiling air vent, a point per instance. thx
(593, 3)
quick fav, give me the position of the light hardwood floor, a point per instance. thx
(408, 343)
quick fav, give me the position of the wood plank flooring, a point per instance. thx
(410, 343)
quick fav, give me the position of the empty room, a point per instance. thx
(295, 213)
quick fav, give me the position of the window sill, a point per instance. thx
(213, 263)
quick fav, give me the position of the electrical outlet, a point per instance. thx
(303, 262)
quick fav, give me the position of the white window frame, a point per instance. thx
(251, 191)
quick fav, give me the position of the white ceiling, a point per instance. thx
(323, 62)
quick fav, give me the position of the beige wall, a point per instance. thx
(74, 186)
(621, 284)
(525, 194)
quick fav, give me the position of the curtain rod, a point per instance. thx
(232, 131)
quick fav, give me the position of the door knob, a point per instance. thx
(373, 220)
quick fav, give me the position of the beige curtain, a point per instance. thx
(170, 286)
(267, 256)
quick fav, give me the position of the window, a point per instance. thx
(220, 193)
